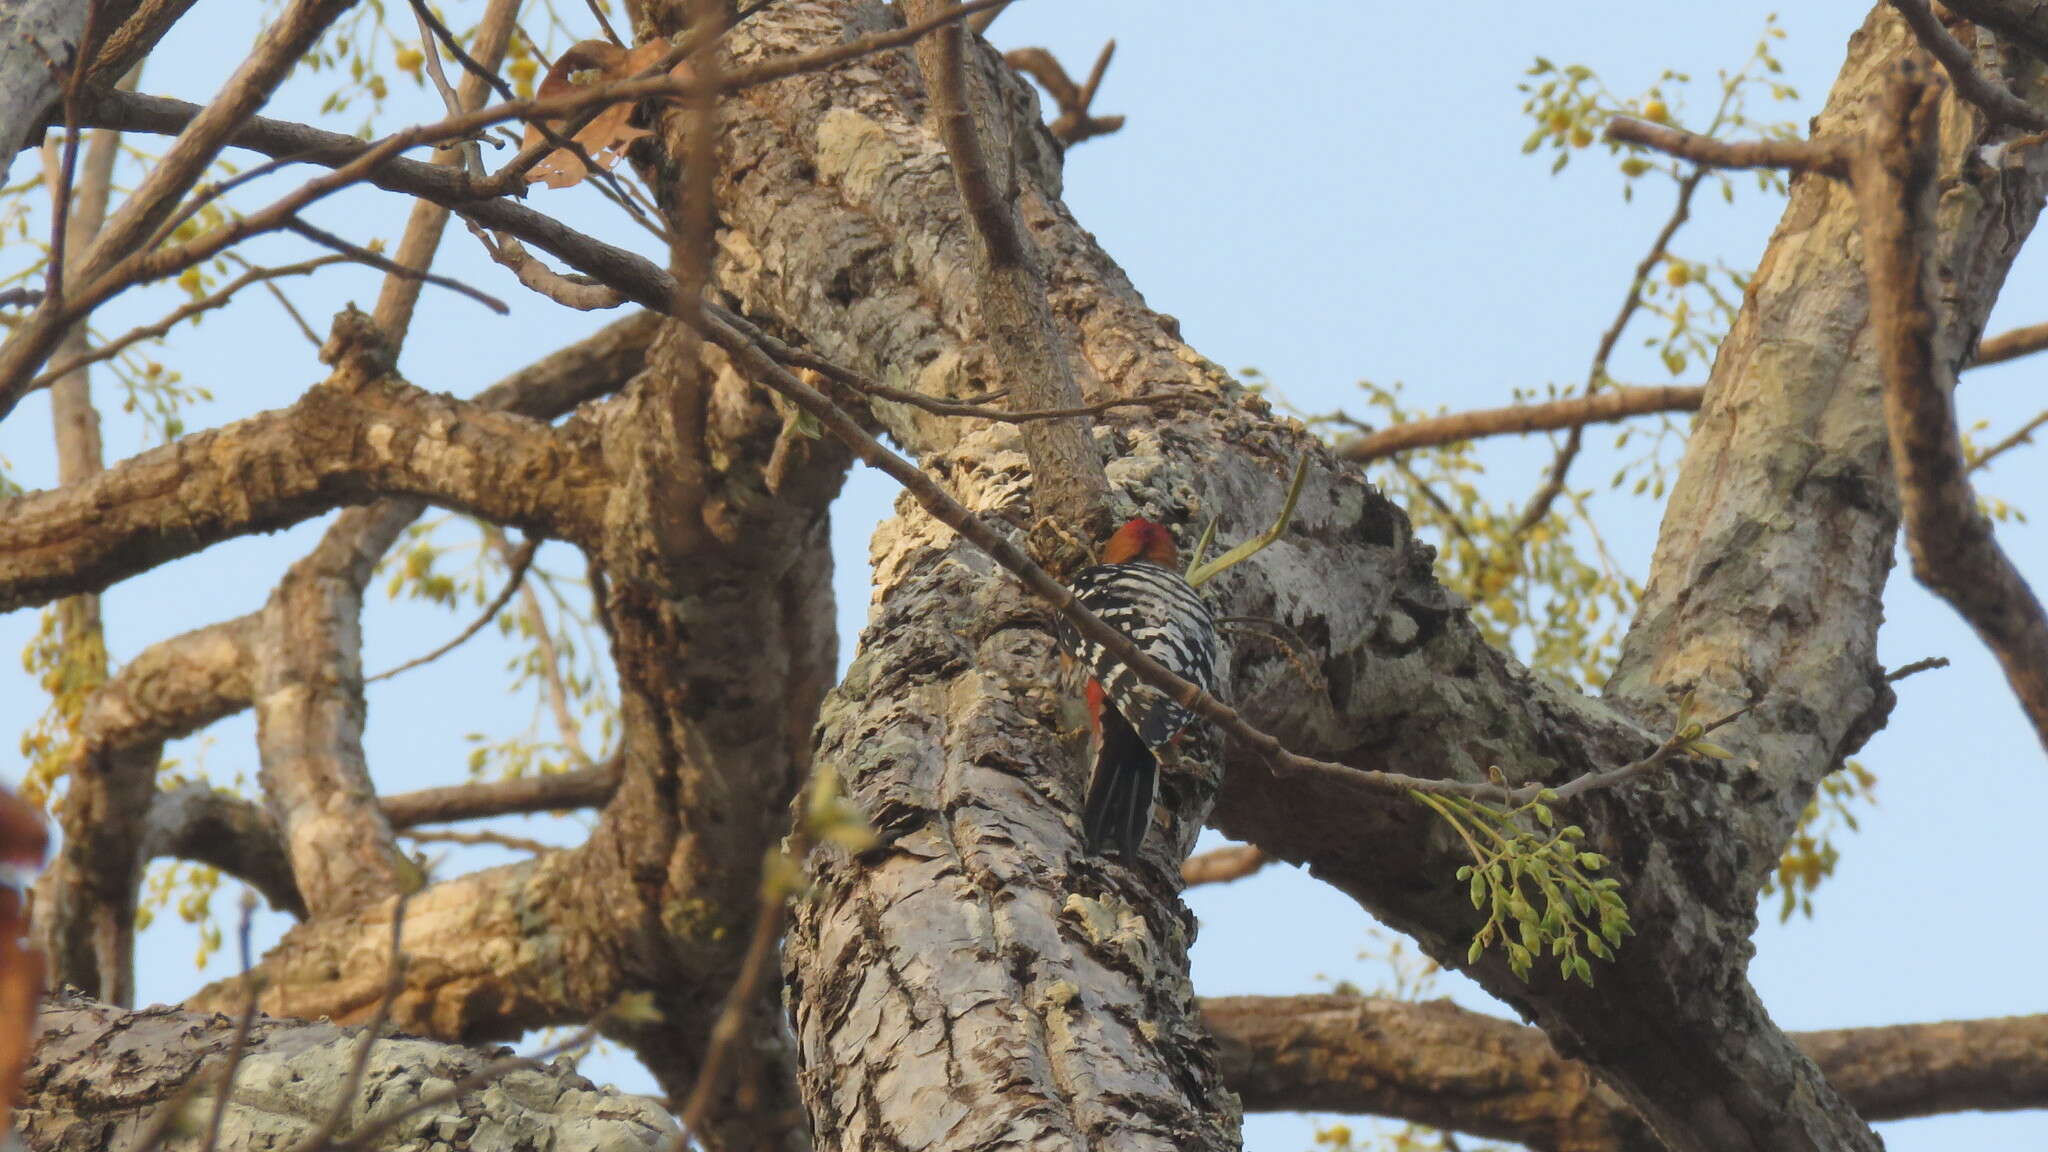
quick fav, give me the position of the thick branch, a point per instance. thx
(1438, 1064)
(356, 436)
(197, 822)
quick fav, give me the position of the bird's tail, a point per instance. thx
(1120, 794)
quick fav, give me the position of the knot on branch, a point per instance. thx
(357, 349)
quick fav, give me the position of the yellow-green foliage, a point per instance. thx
(1810, 854)
(557, 662)
(68, 663)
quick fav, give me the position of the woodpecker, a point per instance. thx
(1138, 590)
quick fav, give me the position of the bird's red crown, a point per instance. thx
(1141, 539)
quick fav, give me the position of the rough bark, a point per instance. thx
(1432, 1063)
(310, 717)
(1068, 486)
(723, 658)
(100, 1077)
(490, 955)
(836, 183)
(1438, 1064)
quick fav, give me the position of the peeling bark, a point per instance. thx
(100, 1076)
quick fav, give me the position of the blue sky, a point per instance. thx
(1327, 192)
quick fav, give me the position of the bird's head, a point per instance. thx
(1141, 539)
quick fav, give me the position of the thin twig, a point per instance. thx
(243, 1023)
(60, 214)
(385, 264)
(480, 837)
(604, 22)
(283, 301)
(2023, 435)
(1670, 748)
(1596, 374)
(762, 368)
(180, 314)
(285, 40)
(1915, 668)
(520, 561)
(550, 655)
(740, 1002)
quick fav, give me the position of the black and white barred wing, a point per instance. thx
(1167, 620)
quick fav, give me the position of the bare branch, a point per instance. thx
(1610, 404)
(515, 576)
(1222, 865)
(1830, 157)
(1955, 553)
(555, 792)
(1596, 375)
(1076, 122)
(2024, 434)
(179, 315)
(2011, 345)
(385, 264)
(480, 838)
(284, 40)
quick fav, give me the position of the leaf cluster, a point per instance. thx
(1810, 854)
(1571, 106)
(1520, 860)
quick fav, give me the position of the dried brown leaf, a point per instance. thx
(605, 138)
